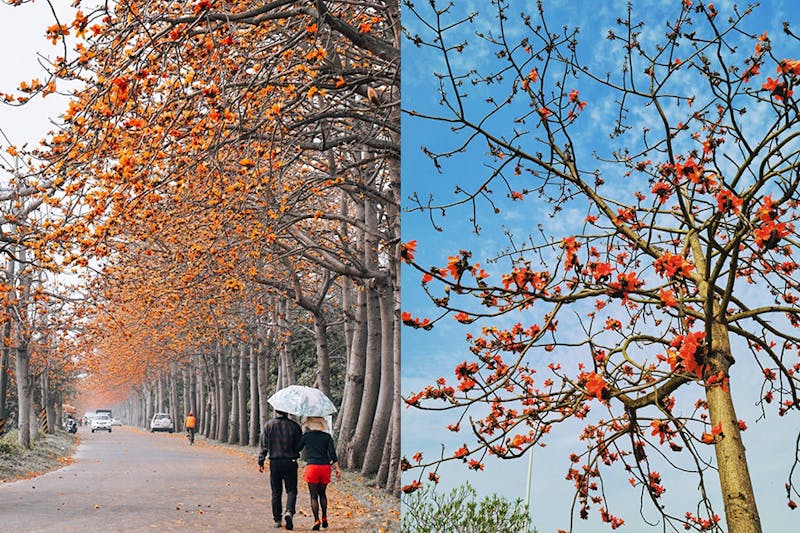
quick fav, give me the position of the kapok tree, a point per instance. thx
(681, 259)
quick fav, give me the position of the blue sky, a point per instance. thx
(428, 355)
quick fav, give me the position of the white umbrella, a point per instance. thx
(300, 400)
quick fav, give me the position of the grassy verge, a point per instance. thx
(48, 453)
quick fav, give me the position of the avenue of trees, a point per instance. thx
(669, 255)
(222, 190)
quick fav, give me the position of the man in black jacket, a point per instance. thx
(280, 441)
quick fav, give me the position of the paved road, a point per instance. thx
(131, 480)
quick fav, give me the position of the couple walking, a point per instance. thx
(281, 441)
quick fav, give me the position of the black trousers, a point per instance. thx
(283, 472)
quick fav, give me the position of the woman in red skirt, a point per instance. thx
(320, 458)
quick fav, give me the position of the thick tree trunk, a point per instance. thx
(372, 376)
(233, 427)
(255, 397)
(148, 407)
(188, 399)
(285, 364)
(160, 394)
(174, 410)
(5, 358)
(354, 382)
(48, 403)
(263, 377)
(211, 376)
(24, 394)
(741, 513)
(242, 399)
(393, 482)
(323, 358)
(200, 395)
(4, 371)
(379, 433)
(223, 395)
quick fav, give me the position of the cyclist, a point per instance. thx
(191, 426)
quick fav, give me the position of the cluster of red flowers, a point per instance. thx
(687, 357)
(769, 233)
(670, 266)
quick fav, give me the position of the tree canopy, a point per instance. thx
(665, 250)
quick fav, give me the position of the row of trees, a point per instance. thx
(225, 181)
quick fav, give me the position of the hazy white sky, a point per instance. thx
(22, 39)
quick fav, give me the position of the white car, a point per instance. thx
(161, 422)
(101, 422)
(116, 422)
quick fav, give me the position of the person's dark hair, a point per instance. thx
(281, 413)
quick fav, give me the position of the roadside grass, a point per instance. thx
(49, 452)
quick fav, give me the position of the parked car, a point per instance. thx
(101, 422)
(161, 422)
(116, 422)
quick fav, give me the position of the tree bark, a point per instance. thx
(4, 368)
(255, 397)
(285, 364)
(379, 433)
(148, 406)
(188, 399)
(48, 402)
(233, 427)
(242, 399)
(354, 382)
(741, 512)
(263, 373)
(177, 419)
(223, 395)
(24, 394)
(323, 357)
(372, 377)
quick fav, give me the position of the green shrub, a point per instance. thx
(459, 511)
(8, 443)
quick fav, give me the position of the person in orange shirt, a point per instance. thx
(191, 426)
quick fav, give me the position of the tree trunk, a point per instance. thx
(285, 365)
(188, 399)
(24, 394)
(160, 394)
(177, 419)
(148, 407)
(263, 378)
(372, 377)
(223, 395)
(373, 454)
(4, 371)
(243, 394)
(741, 513)
(233, 428)
(354, 382)
(48, 402)
(394, 479)
(200, 394)
(323, 358)
(4, 361)
(255, 397)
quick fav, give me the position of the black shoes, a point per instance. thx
(289, 523)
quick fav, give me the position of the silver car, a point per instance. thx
(161, 422)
